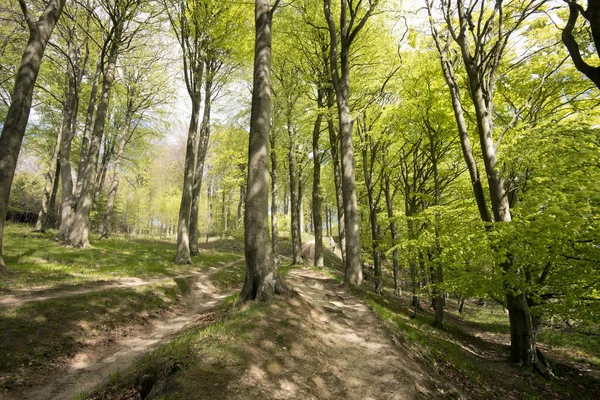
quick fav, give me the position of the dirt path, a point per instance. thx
(324, 344)
(93, 366)
(48, 294)
(352, 345)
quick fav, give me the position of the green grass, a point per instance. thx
(36, 260)
(491, 318)
(575, 345)
(196, 351)
(37, 335)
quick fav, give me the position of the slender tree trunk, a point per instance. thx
(300, 214)
(87, 129)
(223, 214)
(67, 214)
(18, 112)
(42, 221)
(301, 225)
(316, 196)
(262, 279)
(370, 186)
(286, 201)
(52, 202)
(201, 155)
(105, 161)
(393, 232)
(352, 231)
(295, 218)
(79, 235)
(337, 173)
(106, 231)
(241, 205)
(341, 84)
(274, 229)
(209, 196)
(185, 208)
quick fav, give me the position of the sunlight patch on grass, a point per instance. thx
(37, 261)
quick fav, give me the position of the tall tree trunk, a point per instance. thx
(262, 279)
(352, 231)
(274, 229)
(79, 235)
(52, 201)
(185, 208)
(370, 186)
(337, 173)
(108, 148)
(393, 232)
(295, 218)
(201, 155)
(87, 129)
(42, 221)
(67, 214)
(316, 196)
(18, 112)
(299, 213)
(241, 205)
(223, 214)
(301, 224)
(341, 84)
(209, 196)
(106, 230)
(286, 201)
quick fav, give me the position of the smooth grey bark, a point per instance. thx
(240, 208)
(481, 59)
(316, 195)
(295, 218)
(262, 279)
(79, 234)
(189, 32)
(337, 173)
(106, 229)
(438, 277)
(201, 156)
(341, 84)
(301, 227)
(185, 207)
(389, 200)
(448, 70)
(87, 129)
(67, 213)
(22, 94)
(299, 212)
(274, 205)
(223, 214)
(209, 197)
(107, 154)
(369, 153)
(50, 177)
(52, 202)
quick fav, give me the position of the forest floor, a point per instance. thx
(95, 330)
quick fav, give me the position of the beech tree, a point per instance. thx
(482, 46)
(591, 15)
(351, 22)
(262, 279)
(17, 116)
(123, 28)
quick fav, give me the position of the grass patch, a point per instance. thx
(574, 345)
(36, 260)
(490, 318)
(230, 277)
(185, 366)
(36, 336)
